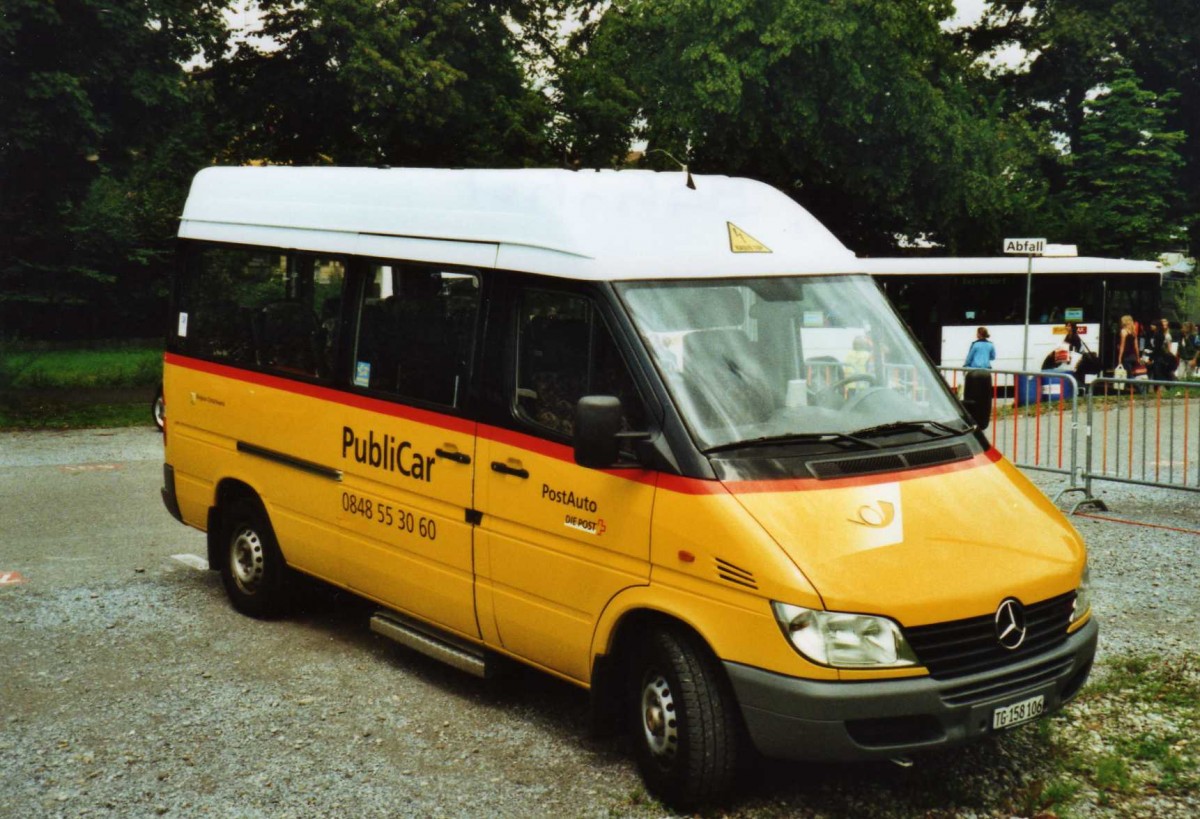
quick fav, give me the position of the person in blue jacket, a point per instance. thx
(982, 352)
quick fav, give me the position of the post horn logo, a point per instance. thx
(1010, 624)
(877, 517)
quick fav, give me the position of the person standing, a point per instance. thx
(1128, 352)
(1162, 361)
(1189, 350)
(982, 352)
(1072, 340)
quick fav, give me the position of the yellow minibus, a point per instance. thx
(665, 441)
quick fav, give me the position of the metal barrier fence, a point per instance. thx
(1034, 418)
(1133, 431)
(1142, 432)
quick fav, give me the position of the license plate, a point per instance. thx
(1018, 712)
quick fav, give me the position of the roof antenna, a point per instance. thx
(690, 183)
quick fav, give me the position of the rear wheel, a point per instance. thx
(252, 567)
(684, 720)
(158, 410)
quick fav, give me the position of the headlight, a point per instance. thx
(844, 640)
(1083, 596)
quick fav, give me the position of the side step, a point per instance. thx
(443, 647)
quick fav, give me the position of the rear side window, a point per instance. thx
(262, 309)
(416, 332)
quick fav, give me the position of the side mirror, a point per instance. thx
(977, 397)
(597, 422)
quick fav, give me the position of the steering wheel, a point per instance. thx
(841, 382)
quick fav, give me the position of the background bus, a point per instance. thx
(945, 299)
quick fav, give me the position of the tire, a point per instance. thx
(252, 566)
(158, 410)
(684, 721)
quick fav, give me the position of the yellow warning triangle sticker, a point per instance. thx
(742, 242)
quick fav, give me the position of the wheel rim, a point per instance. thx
(247, 560)
(659, 720)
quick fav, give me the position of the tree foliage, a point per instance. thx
(1122, 178)
(863, 110)
(1077, 47)
(89, 89)
(373, 82)
(869, 112)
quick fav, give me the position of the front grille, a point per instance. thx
(840, 467)
(1003, 684)
(963, 647)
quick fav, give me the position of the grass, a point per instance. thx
(80, 369)
(1132, 735)
(52, 415)
(107, 386)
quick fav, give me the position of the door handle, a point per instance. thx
(505, 469)
(457, 457)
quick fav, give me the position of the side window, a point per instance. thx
(416, 332)
(261, 308)
(564, 352)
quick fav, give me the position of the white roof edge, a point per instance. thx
(604, 225)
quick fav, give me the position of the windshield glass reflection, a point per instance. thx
(788, 359)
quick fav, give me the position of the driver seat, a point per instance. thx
(726, 378)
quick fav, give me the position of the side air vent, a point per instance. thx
(824, 470)
(734, 574)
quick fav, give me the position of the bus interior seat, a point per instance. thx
(725, 378)
(426, 368)
(377, 343)
(556, 354)
(224, 329)
(287, 337)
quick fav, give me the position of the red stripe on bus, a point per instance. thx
(349, 399)
(562, 452)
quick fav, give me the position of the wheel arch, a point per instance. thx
(227, 492)
(613, 648)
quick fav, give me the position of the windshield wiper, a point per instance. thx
(905, 426)
(795, 438)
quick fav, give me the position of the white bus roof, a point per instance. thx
(1006, 265)
(579, 224)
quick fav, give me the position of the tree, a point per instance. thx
(1123, 179)
(1075, 47)
(91, 90)
(863, 110)
(373, 82)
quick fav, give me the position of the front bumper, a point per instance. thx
(798, 719)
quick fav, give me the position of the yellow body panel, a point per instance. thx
(938, 547)
(553, 560)
(555, 547)
(401, 539)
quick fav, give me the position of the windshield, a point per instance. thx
(797, 358)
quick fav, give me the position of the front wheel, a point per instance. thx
(252, 567)
(684, 720)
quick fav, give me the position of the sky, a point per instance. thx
(244, 17)
(966, 12)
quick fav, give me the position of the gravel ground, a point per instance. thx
(1144, 554)
(141, 693)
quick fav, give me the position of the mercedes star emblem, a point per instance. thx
(1010, 624)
